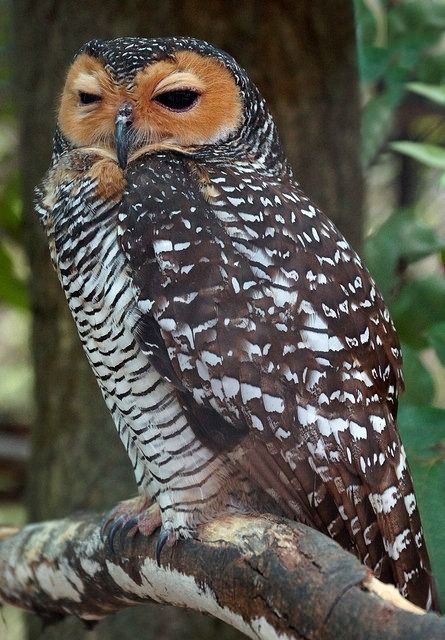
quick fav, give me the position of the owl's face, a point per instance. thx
(179, 98)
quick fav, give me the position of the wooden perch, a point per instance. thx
(268, 578)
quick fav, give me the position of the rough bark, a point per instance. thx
(270, 579)
(305, 67)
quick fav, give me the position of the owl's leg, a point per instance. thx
(130, 517)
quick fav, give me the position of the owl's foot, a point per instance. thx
(129, 518)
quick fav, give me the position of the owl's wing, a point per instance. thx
(264, 319)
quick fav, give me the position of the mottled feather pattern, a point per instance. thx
(230, 282)
(246, 356)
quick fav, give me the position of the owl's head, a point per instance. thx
(128, 94)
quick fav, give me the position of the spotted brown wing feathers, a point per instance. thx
(296, 356)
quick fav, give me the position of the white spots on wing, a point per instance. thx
(317, 451)
(324, 426)
(273, 403)
(187, 268)
(289, 375)
(256, 423)
(378, 423)
(251, 217)
(162, 246)
(185, 361)
(315, 278)
(180, 246)
(217, 388)
(249, 391)
(231, 386)
(291, 275)
(310, 212)
(306, 415)
(386, 501)
(167, 324)
(410, 503)
(332, 426)
(210, 358)
(418, 539)
(235, 201)
(282, 434)
(357, 431)
(235, 285)
(401, 542)
(254, 254)
(289, 348)
(329, 313)
(266, 202)
(344, 306)
(202, 370)
(401, 467)
(252, 350)
(186, 297)
(204, 326)
(227, 217)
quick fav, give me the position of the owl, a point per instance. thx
(243, 350)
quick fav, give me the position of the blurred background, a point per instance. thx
(358, 91)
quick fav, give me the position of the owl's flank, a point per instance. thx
(246, 356)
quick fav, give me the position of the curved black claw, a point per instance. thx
(130, 527)
(115, 528)
(122, 526)
(162, 539)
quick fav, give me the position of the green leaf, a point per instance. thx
(436, 338)
(400, 240)
(433, 92)
(430, 154)
(423, 433)
(422, 430)
(377, 121)
(373, 63)
(419, 306)
(419, 383)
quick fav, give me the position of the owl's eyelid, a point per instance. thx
(178, 90)
(178, 81)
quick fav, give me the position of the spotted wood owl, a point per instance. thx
(246, 356)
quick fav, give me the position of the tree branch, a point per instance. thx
(268, 578)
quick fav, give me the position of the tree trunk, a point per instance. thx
(306, 69)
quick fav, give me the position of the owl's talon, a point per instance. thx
(162, 539)
(115, 529)
(130, 528)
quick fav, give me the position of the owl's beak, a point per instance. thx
(122, 129)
